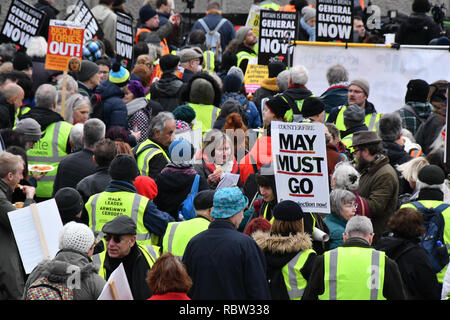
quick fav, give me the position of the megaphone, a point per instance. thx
(319, 235)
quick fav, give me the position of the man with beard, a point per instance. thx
(245, 51)
(378, 183)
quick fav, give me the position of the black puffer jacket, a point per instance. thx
(166, 90)
(418, 29)
(6, 113)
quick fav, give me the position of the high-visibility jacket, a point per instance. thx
(205, 116)
(348, 141)
(370, 120)
(19, 113)
(151, 254)
(50, 150)
(353, 273)
(178, 234)
(270, 6)
(209, 58)
(296, 116)
(446, 214)
(243, 55)
(105, 206)
(144, 153)
(293, 278)
(163, 43)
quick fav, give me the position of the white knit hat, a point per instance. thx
(76, 236)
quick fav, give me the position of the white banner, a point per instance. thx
(300, 164)
(387, 70)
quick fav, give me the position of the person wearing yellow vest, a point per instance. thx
(152, 154)
(121, 198)
(430, 184)
(358, 92)
(10, 101)
(288, 251)
(122, 247)
(355, 270)
(354, 122)
(178, 234)
(267, 5)
(54, 144)
(245, 51)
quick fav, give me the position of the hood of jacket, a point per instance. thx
(108, 89)
(297, 93)
(43, 116)
(416, 22)
(168, 85)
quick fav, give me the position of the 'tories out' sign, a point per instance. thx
(334, 20)
(65, 41)
(300, 164)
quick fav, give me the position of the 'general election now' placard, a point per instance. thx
(83, 16)
(124, 39)
(334, 20)
(300, 164)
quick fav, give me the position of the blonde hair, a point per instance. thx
(410, 170)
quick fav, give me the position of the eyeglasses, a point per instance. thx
(114, 237)
(354, 205)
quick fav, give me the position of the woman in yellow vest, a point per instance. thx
(288, 251)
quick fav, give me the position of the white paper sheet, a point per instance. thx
(121, 282)
(228, 180)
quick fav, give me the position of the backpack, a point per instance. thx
(186, 210)
(213, 38)
(43, 289)
(97, 106)
(433, 239)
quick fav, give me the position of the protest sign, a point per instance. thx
(254, 75)
(22, 22)
(334, 20)
(65, 40)
(117, 286)
(83, 16)
(253, 19)
(300, 164)
(36, 230)
(276, 29)
(124, 39)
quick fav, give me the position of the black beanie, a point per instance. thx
(288, 210)
(69, 203)
(169, 62)
(123, 167)
(278, 106)
(312, 106)
(275, 68)
(22, 61)
(417, 91)
(421, 6)
(432, 175)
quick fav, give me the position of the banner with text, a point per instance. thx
(334, 20)
(387, 70)
(124, 39)
(300, 164)
(65, 41)
(254, 75)
(276, 29)
(83, 16)
(22, 22)
(253, 19)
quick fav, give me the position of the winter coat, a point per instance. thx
(107, 20)
(268, 89)
(57, 270)
(40, 74)
(418, 29)
(227, 32)
(278, 251)
(396, 153)
(165, 91)
(225, 264)
(335, 96)
(7, 113)
(336, 226)
(114, 108)
(429, 132)
(254, 120)
(12, 274)
(414, 264)
(379, 185)
(174, 184)
(50, 13)
(141, 115)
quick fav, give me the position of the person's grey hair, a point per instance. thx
(283, 80)
(94, 130)
(75, 102)
(37, 47)
(46, 96)
(347, 177)
(159, 122)
(359, 225)
(299, 75)
(390, 126)
(337, 74)
(338, 197)
(76, 136)
(71, 84)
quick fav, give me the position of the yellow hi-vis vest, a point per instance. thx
(353, 273)
(144, 153)
(348, 141)
(370, 120)
(205, 116)
(446, 214)
(209, 58)
(178, 234)
(50, 150)
(293, 278)
(105, 206)
(243, 55)
(297, 117)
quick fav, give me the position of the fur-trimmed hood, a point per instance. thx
(278, 244)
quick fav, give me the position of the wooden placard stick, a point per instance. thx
(113, 289)
(37, 222)
(63, 93)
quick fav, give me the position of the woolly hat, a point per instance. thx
(432, 175)
(136, 88)
(93, 50)
(123, 167)
(417, 91)
(30, 128)
(278, 106)
(119, 75)
(120, 225)
(204, 200)
(308, 13)
(202, 92)
(354, 116)
(232, 83)
(288, 210)
(146, 186)
(88, 70)
(76, 236)
(146, 13)
(228, 202)
(69, 203)
(181, 126)
(242, 33)
(169, 62)
(275, 68)
(421, 6)
(22, 61)
(390, 126)
(257, 224)
(363, 84)
(184, 113)
(181, 151)
(312, 106)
